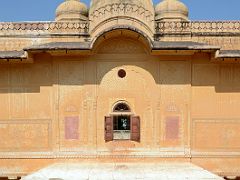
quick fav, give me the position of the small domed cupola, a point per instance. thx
(72, 10)
(171, 10)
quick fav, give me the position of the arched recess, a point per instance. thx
(122, 32)
(139, 80)
(124, 45)
(137, 89)
(128, 50)
(121, 106)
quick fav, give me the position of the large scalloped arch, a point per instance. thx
(122, 27)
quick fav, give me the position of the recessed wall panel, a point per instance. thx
(216, 135)
(23, 136)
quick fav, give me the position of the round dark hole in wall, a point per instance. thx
(122, 73)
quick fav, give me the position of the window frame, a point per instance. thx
(135, 128)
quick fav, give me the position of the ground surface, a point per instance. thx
(122, 171)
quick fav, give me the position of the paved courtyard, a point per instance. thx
(123, 171)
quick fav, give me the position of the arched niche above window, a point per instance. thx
(121, 107)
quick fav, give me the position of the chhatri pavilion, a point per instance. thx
(120, 90)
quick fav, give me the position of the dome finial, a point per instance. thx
(72, 10)
(171, 10)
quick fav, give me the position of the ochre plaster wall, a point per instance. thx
(38, 98)
(89, 87)
(26, 106)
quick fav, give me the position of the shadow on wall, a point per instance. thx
(113, 51)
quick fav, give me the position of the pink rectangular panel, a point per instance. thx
(71, 127)
(172, 127)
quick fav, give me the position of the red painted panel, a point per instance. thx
(172, 127)
(71, 127)
(108, 128)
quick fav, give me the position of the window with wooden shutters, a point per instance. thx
(135, 128)
(122, 125)
(108, 128)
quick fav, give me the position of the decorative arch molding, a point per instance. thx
(121, 13)
(147, 40)
(124, 22)
(121, 106)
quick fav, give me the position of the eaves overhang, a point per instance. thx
(15, 56)
(61, 48)
(157, 45)
(228, 54)
(182, 45)
(181, 48)
(55, 46)
(84, 48)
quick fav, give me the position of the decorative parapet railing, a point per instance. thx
(218, 28)
(198, 28)
(44, 28)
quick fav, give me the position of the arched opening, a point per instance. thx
(142, 40)
(121, 107)
(122, 124)
(121, 121)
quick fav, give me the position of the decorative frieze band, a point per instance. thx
(122, 9)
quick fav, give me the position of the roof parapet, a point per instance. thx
(200, 28)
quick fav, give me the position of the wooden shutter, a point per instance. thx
(135, 128)
(108, 128)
